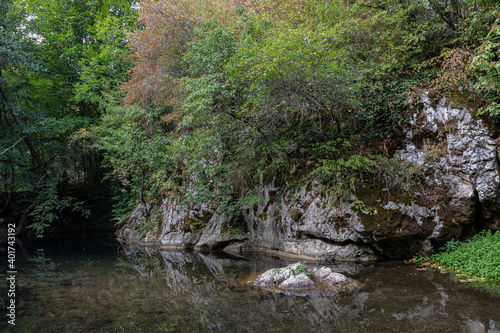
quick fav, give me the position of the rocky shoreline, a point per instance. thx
(458, 151)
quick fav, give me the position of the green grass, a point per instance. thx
(478, 258)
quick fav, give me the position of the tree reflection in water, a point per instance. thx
(151, 290)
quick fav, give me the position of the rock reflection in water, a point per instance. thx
(215, 286)
(151, 290)
(255, 309)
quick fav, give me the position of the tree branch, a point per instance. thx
(441, 13)
(15, 144)
(19, 123)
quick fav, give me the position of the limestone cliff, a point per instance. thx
(461, 160)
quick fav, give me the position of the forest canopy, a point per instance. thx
(202, 100)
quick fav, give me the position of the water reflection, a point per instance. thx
(425, 309)
(150, 290)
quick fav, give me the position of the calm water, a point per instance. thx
(103, 287)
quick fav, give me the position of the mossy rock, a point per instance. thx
(384, 224)
(196, 223)
(392, 223)
(236, 225)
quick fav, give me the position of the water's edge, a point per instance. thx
(114, 288)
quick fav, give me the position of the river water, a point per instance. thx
(79, 286)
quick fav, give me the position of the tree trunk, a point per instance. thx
(22, 222)
(19, 123)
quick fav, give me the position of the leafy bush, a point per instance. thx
(48, 206)
(451, 245)
(227, 97)
(486, 64)
(280, 92)
(302, 268)
(480, 257)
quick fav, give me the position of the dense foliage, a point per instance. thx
(58, 62)
(480, 257)
(225, 94)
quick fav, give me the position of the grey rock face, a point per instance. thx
(300, 281)
(213, 238)
(325, 274)
(179, 224)
(312, 224)
(176, 225)
(129, 232)
(469, 166)
(306, 227)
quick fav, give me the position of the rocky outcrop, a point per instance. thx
(257, 231)
(461, 155)
(175, 225)
(298, 277)
(461, 165)
(214, 237)
(291, 277)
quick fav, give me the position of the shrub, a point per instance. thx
(480, 257)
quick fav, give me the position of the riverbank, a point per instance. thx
(137, 289)
(475, 261)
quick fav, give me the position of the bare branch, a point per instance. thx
(12, 146)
